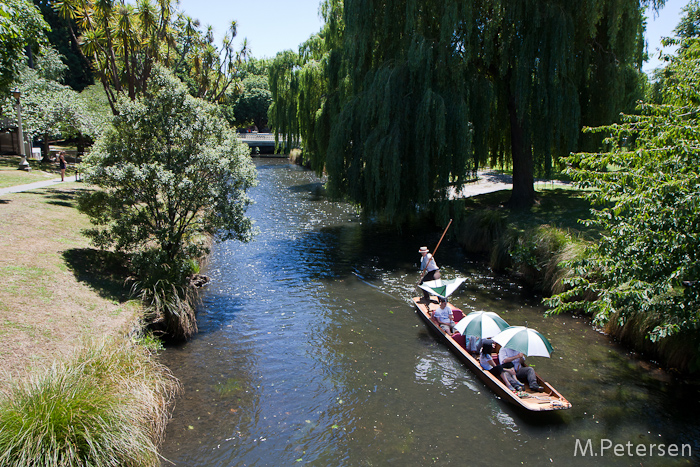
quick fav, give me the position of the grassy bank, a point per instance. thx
(104, 402)
(58, 290)
(533, 245)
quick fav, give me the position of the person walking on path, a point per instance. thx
(62, 164)
(428, 269)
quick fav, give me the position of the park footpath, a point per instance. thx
(29, 186)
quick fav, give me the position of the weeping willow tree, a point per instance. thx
(383, 123)
(415, 95)
(402, 134)
(304, 92)
(553, 66)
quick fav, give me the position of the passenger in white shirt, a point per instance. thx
(443, 315)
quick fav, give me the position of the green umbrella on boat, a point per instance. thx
(525, 340)
(481, 324)
(442, 287)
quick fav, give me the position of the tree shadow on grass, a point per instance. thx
(103, 271)
(66, 198)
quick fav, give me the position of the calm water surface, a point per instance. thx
(309, 353)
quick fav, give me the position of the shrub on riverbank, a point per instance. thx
(541, 246)
(171, 174)
(532, 244)
(106, 405)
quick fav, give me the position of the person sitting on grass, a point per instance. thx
(498, 371)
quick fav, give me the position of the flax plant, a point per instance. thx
(106, 405)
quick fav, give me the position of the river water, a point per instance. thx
(310, 353)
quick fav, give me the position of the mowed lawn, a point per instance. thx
(56, 289)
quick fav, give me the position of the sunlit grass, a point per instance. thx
(107, 405)
(10, 175)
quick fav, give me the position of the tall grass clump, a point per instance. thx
(164, 287)
(106, 405)
(479, 231)
(539, 254)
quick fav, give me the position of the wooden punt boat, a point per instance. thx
(533, 401)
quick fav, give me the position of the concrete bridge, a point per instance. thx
(265, 142)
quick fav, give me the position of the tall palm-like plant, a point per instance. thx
(210, 71)
(123, 41)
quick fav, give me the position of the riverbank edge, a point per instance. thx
(537, 256)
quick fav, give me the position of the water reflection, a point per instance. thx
(310, 354)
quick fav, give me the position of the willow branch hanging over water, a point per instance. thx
(399, 100)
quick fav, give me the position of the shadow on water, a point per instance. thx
(317, 190)
(103, 271)
(219, 309)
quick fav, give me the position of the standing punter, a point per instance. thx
(428, 269)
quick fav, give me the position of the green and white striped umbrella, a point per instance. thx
(525, 340)
(481, 324)
(442, 288)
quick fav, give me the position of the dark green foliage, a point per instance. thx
(251, 104)
(400, 100)
(21, 25)
(78, 76)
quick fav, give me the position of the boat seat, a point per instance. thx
(460, 339)
(457, 313)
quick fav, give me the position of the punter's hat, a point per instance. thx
(423, 249)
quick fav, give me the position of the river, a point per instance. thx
(310, 353)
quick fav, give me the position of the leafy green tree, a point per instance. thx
(21, 25)
(253, 102)
(171, 174)
(415, 95)
(646, 191)
(50, 109)
(662, 90)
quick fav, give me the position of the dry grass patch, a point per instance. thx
(56, 289)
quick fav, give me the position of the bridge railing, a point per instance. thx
(257, 137)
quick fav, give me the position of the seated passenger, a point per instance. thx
(522, 370)
(443, 316)
(498, 371)
(473, 344)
